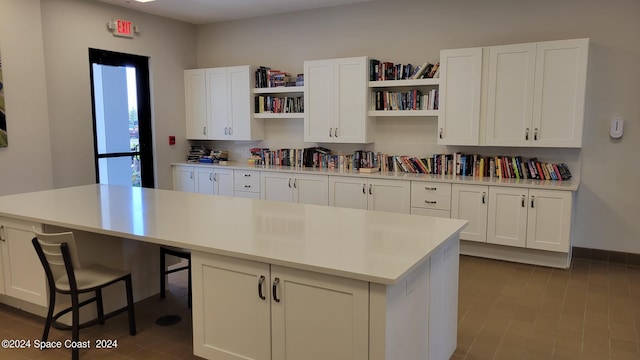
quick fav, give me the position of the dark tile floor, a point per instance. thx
(506, 311)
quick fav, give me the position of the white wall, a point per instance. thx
(608, 201)
(25, 165)
(70, 28)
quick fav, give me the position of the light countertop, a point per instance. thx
(372, 246)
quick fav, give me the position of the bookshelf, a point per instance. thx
(423, 86)
(294, 94)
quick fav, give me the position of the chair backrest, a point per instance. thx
(58, 254)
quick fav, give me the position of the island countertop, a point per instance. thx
(372, 246)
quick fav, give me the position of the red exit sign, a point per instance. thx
(122, 28)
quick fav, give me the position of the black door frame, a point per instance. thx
(145, 133)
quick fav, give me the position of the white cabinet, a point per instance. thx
(372, 194)
(22, 275)
(195, 95)
(246, 184)
(469, 202)
(460, 78)
(431, 199)
(218, 104)
(531, 218)
(231, 104)
(536, 94)
(336, 101)
(214, 181)
(299, 188)
(184, 178)
(250, 310)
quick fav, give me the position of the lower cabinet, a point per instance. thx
(214, 181)
(371, 194)
(520, 217)
(22, 275)
(184, 178)
(250, 310)
(431, 199)
(298, 188)
(246, 184)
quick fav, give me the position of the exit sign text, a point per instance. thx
(123, 28)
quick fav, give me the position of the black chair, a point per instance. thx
(58, 255)
(181, 253)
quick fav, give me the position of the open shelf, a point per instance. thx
(279, 90)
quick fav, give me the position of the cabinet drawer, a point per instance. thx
(246, 180)
(421, 189)
(431, 212)
(431, 202)
(247, 194)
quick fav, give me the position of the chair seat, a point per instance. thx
(91, 276)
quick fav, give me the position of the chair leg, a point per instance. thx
(75, 325)
(130, 306)
(163, 269)
(189, 288)
(100, 306)
(52, 305)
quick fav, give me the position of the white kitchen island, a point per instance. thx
(275, 280)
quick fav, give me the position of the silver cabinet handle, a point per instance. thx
(225, 130)
(335, 133)
(246, 186)
(2, 233)
(211, 177)
(191, 175)
(535, 134)
(289, 183)
(440, 133)
(275, 289)
(295, 183)
(363, 189)
(370, 192)
(330, 132)
(260, 282)
(532, 201)
(430, 188)
(484, 201)
(246, 175)
(204, 130)
(230, 130)
(526, 134)
(430, 202)
(523, 201)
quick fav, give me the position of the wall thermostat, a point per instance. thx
(617, 127)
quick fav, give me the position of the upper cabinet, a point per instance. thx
(514, 95)
(460, 78)
(219, 104)
(336, 101)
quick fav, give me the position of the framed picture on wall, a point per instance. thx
(3, 120)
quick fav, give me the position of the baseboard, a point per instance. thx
(607, 256)
(515, 254)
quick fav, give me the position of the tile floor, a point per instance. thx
(506, 311)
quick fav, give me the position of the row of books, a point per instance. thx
(266, 77)
(406, 100)
(273, 104)
(196, 152)
(385, 70)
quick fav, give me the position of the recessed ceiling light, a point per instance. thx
(144, 0)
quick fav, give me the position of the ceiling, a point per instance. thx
(208, 11)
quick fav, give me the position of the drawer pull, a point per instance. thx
(370, 190)
(364, 191)
(440, 133)
(246, 175)
(484, 201)
(275, 289)
(526, 134)
(2, 230)
(330, 132)
(246, 186)
(523, 201)
(335, 133)
(532, 200)
(260, 294)
(430, 202)
(289, 183)
(535, 134)
(430, 188)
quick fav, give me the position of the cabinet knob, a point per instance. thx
(260, 282)
(276, 281)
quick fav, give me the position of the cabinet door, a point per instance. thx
(549, 220)
(184, 179)
(276, 186)
(459, 102)
(318, 316)
(469, 202)
(223, 182)
(230, 319)
(507, 223)
(560, 82)
(311, 189)
(22, 271)
(351, 101)
(204, 181)
(218, 103)
(195, 102)
(389, 195)
(240, 125)
(348, 192)
(510, 94)
(319, 95)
